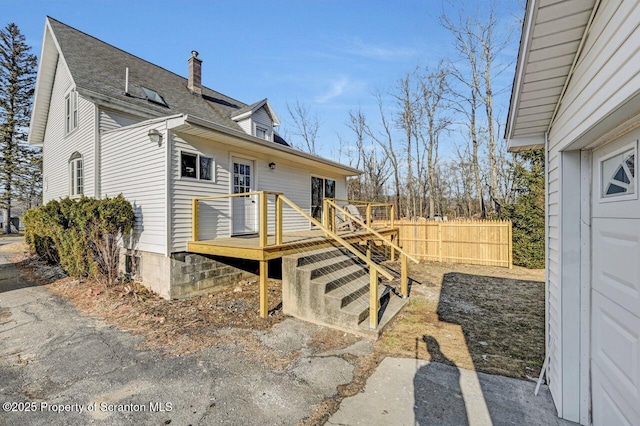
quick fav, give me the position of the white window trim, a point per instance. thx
(267, 132)
(71, 112)
(197, 178)
(74, 190)
(324, 187)
(623, 197)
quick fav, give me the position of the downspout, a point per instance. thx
(573, 65)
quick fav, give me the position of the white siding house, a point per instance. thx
(160, 140)
(577, 95)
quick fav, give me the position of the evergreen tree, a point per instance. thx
(527, 213)
(17, 83)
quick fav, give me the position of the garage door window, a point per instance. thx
(618, 174)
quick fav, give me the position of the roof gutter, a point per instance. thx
(199, 122)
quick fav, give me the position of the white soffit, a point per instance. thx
(551, 37)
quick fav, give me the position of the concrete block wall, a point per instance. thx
(188, 274)
(194, 274)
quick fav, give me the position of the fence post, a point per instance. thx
(440, 241)
(195, 231)
(510, 233)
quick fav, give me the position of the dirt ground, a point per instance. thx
(487, 319)
(482, 318)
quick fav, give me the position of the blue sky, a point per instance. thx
(330, 55)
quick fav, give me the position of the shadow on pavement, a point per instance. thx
(11, 278)
(429, 393)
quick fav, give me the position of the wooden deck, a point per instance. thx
(248, 246)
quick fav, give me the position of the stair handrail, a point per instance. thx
(344, 243)
(371, 230)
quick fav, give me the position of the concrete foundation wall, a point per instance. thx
(188, 274)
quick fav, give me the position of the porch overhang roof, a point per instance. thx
(553, 33)
(201, 128)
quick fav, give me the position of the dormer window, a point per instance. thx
(70, 112)
(262, 133)
(257, 120)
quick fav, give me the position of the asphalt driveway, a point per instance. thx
(58, 367)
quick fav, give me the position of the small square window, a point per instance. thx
(188, 165)
(262, 133)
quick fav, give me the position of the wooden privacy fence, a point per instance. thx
(473, 241)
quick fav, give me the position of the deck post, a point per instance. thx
(325, 214)
(194, 220)
(392, 255)
(278, 220)
(392, 214)
(262, 199)
(264, 287)
(368, 215)
(404, 278)
(373, 298)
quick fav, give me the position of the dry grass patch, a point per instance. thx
(172, 326)
(481, 318)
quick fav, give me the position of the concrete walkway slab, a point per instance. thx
(408, 392)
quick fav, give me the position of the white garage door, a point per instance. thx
(615, 296)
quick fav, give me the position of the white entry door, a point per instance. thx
(615, 281)
(243, 208)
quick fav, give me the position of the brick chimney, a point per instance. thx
(195, 74)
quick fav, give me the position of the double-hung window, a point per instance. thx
(70, 111)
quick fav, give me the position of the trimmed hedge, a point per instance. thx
(80, 235)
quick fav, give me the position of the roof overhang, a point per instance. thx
(263, 103)
(553, 33)
(49, 57)
(198, 127)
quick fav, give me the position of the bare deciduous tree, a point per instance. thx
(306, 126)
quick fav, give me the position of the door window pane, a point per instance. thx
(241, 178)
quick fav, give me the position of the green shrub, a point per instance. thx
(527, 212)
(80, 235)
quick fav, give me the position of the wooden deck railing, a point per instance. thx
(330, 232)
(331, 208)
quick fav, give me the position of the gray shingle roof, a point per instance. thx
(99, 67)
